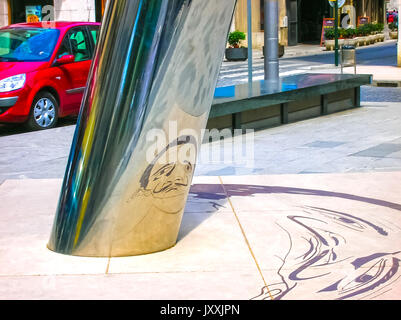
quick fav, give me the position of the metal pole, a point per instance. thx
(271, 40)
(250, 60)
(336, 33)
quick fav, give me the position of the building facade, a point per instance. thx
(16, 11)
(392, 4)
(300, 21)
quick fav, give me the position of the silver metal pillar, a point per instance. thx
(134, 150)
(271, 40)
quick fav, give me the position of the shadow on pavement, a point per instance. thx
(11, 129)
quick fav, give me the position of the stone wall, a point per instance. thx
(393, 4)
(74, 10)
(3, 13)
(240, 24)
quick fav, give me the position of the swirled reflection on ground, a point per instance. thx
(335, 253)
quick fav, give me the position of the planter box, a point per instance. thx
(350, 42)
(330, 44)
(381, 37)
(362, 41)
(281, 50)
(371, 39)
(237, 54)
(394, 34)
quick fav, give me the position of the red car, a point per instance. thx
(43, 71)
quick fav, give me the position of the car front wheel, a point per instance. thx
(44, 112)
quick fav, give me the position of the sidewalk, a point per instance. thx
(316, 217)
(294, 51)
(303, 50)
(280, 236)
(384, 76)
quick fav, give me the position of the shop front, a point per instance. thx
(30, 10)
(18, 11)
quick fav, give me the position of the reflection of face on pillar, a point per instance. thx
(168, 178)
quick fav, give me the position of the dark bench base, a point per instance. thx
(312, 96)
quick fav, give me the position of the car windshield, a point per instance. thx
(25, 45)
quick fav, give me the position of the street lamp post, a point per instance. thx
(250, 62)
(271, 40)
(336, 33)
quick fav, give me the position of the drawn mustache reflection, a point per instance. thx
(169, 175)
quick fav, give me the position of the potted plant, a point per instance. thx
(281, 50)
(371, 33)
(235, 52)
(349, 35)
(380, 33)
(362, 35)
(393, 30)
(329, 36)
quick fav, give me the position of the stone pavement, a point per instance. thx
(381, 75)
(295, 51)
(322, 236)
(315, 215)
(358, 140)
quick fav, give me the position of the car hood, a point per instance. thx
(8, 69)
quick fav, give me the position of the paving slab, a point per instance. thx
(140, 286)
(315, 236)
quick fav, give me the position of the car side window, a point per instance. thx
(95, 34)
(79, 44)
(64, 49)
(75, 43)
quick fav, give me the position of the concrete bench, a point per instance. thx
(294, 98)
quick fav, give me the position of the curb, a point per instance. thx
(386, 83)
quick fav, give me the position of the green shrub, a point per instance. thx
(363, 30)
(329, 34)
(349, 33)
(235, 37)
(380, 27)
(392, 26)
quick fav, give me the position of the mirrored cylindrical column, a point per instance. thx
(135, 146)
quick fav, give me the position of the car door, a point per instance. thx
(94, 34)
(76, 42)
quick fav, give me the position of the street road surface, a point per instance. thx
(237, 72)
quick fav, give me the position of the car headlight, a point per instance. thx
(12, 83)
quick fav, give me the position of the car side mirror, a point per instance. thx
(65, 59)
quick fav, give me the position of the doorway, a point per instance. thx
(292, 13)
(310, 17)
